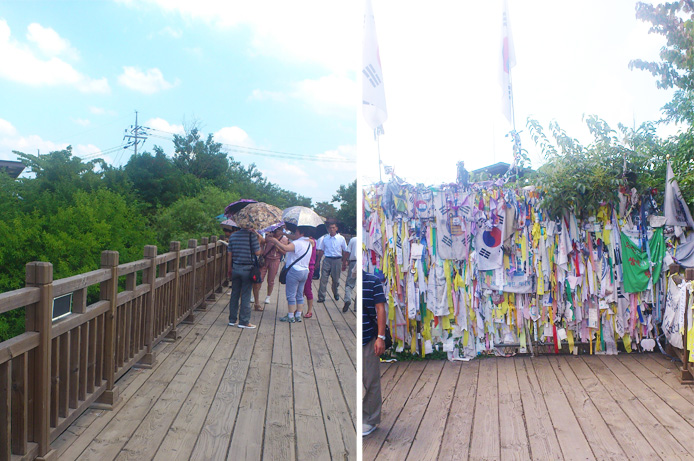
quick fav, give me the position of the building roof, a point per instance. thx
(499, 169)
(11, 167)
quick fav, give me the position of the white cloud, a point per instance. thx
(265, 95)
(101, 111)
(6, 128)
(20, 65)
(81, 121)
(148, 82)
(233, 135)
(170, 32)
(315, 31)
(162, 125)
(328, 95)
(49, 42)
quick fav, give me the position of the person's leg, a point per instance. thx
(325, 273)
(335, 272)
(308, 292)
(300, 295)
(293, 279)
(256, 296)
(371, 403)
(235, 296)
(316, 273)
(273, 266)
(245, 309)
(349, 285)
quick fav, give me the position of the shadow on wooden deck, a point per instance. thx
(218, 392)
(550, 407)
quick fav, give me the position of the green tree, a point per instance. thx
(192, 217)
(326, 210)
(346, 196)
(579, 178)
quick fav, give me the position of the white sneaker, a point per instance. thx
(252, 298)
(267, 300)
(367, 429)
(231, 324)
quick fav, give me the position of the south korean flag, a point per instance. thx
(489, 238)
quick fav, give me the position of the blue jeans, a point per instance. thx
(240, 288)
(296, 280)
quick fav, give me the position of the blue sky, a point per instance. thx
(275, 76)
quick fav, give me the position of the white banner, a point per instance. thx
(373, 93)
(508, 60)
(676, 209)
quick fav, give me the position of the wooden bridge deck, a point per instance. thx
(278, 392)
(559, 407)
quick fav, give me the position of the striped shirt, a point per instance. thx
(371, 294)
(240, 247)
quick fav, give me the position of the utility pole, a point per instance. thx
(137, 133)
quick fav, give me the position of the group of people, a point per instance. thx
(301, 253)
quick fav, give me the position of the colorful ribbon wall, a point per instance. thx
(482, 269)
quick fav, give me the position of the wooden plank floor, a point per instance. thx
(218, 392)
(549, 407)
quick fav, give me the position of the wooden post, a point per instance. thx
(175, 247)
(193, 243)
(149, 276)
(215, 268)
(221, 269)
(109, 291)
(206, 254)
(40, 274)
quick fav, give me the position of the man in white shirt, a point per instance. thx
(351, 273)
(333, 249)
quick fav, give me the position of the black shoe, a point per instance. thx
(346, 306)
(337, 297)
(321, 300)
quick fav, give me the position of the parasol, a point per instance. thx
(304, 217)
(259, 216)
(235, 207)
(229, 224)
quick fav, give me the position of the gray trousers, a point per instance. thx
(351, 281)
(240, 300)
(330, 267)
(371, 378)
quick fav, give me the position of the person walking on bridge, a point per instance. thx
(334, 249)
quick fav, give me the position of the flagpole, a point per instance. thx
(378, 145)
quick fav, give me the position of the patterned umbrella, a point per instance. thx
(306, 218)
(235, 207)
(258, 216)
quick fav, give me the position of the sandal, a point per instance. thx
(258, 307)
(308, 315)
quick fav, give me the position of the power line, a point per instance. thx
(266, 152)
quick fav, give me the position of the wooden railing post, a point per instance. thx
(205, 242)
(193, 243)
(40, 319)
(215, 267)
(176, 247)
(149, 276)
(109, 291)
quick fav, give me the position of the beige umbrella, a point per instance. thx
(258, 216)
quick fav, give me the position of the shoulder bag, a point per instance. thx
(285, 269)
(255, 270)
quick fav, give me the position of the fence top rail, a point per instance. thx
(164, 258)
(20, 344)
(187, 252)
(15, 299)
(77, 282)
(129, 268)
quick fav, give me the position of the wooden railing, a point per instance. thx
(55, 370)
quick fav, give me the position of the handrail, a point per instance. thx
(76, 360)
